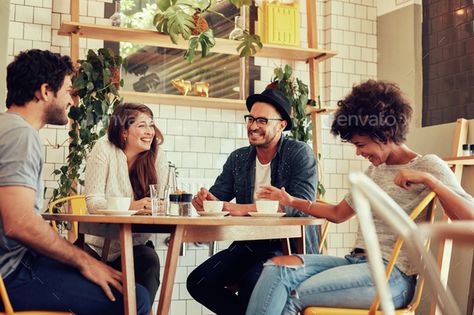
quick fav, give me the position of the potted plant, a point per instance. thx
(184, 18)
(298, 95)
(96, 84)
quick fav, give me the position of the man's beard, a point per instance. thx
(55, 115)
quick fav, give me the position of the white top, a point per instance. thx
(383, 175)
(107, 175)
(263, 175)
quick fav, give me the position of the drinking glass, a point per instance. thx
(158, 203)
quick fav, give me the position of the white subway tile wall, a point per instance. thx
(198, 140)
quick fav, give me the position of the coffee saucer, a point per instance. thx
(263, 214)
(213, 214)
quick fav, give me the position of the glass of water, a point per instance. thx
(158, 204)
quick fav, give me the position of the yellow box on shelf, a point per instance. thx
(279, 23)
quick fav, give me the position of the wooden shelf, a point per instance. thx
(181, 100)
(460, 160)
(154, 38)
(316, 110)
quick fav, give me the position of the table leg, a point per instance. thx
(176, 239)
(301, 242)
(129, 298)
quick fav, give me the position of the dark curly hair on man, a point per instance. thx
(376, 109)
(30, 70)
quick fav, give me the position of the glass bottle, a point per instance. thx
(116, 18)
(237, 31)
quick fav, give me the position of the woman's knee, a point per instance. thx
(289, 260)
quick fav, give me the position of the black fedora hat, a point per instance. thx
(276, 98)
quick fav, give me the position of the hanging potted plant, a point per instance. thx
(298, 95)
(96, 85)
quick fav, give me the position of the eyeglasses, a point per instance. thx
(261, 121)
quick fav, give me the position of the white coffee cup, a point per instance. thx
(267, 206)
(118, 203)
(213, 205)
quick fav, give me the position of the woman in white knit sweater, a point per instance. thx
(123, 164)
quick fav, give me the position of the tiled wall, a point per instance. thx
(448, 63)
(198, 140)
(349, 28)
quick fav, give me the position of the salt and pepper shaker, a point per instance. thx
(174, 205)
(185, 206)
(466, 150)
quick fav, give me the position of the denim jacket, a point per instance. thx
(293, 167)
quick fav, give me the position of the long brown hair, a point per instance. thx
(143, 171)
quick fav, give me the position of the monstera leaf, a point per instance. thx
(175, 22)
(207, 41)
(251, 43)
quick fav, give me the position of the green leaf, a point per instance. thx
(239, 3)
(163, 5)
(251, 43)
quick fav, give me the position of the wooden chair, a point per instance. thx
(362, 186)
(77, 205)
(9, 309)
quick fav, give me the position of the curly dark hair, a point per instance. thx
(30, 70)
(377, 109)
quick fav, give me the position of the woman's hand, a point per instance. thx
(406, 178)
(142, 204)
(273, 193)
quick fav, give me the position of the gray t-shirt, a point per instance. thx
(21, 161)
(383, 175)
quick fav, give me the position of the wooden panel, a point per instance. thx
(181, 100)
(460, 160)
(204, 234)
(194, 221)
(154, 38)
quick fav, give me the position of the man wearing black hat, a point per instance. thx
(272, 159)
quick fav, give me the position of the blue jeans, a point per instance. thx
(323, 281)
(40, 283)
(239, 265)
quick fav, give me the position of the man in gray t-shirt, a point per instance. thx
(40, 269)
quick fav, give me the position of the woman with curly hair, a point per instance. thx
(374, 117)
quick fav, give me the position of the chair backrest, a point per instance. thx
(6, 301)
(75, 205)
(367, 195)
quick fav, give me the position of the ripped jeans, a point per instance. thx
(323, 281)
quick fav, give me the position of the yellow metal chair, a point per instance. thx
(77, 205)
(429, 200)
(9, 309)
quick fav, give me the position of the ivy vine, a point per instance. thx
(297, 93)
(96, 83)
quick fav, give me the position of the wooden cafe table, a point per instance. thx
(181, 229)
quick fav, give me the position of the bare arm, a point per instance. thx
(456, 207)
(334, 213)
(21, 223)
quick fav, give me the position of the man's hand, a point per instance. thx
(406, 178)
(202, 194)
(238, 209)
(101, 274)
